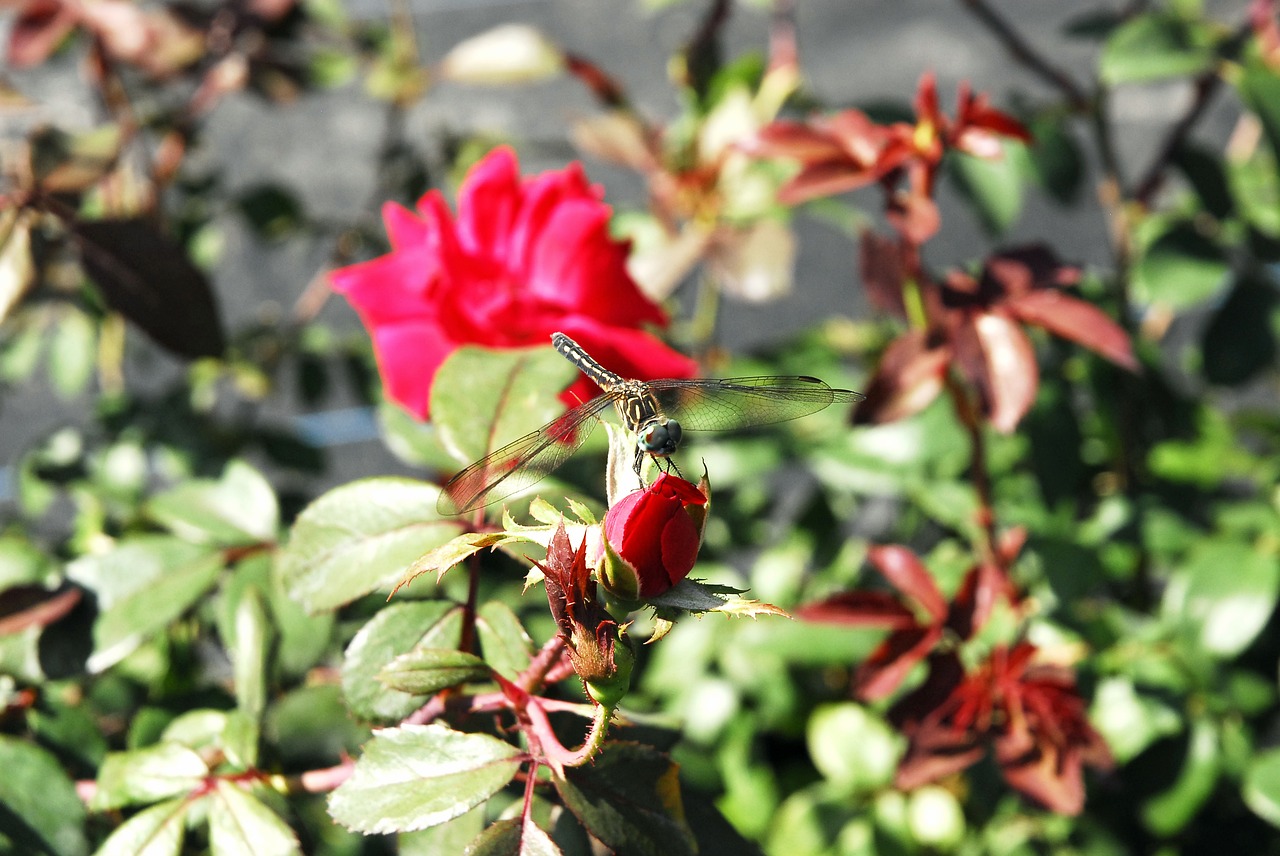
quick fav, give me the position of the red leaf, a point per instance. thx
(1052, 777)
(1000, 361)
(147, 278)
(936, 750)
(883, 271)
(1074, 319)
(889, 664)
(824, 179)
(860, 609)
(795, 140)
(39, 29)
(909, 377)
(909, 576)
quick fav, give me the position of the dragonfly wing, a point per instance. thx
(741, 402)
(521, 463)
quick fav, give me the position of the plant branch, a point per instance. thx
(1022, 51)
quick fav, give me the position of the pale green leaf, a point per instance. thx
(425, 671)
(148, 775)
(154, 831)
(418, 776)
(240, 825)
(239, 508)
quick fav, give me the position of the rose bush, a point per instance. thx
(522, 259)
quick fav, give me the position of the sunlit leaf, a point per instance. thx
(154, 831)
(1261, 789)
(513, 837)
(358, 538)
(424, 671)
(396, 630)
(238, 508)
(240, 824)
(1155, 46)
(148, 775)
(418, 776)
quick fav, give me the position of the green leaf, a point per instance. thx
(629, 798)
(40, 812)
(1224, 594)
(154, 831)
(271, 210)
(395, 630)
(303, 639)
(513, 837)
(1180, 269)
(21, 563)
(506, 645)
(142, 585)
(993, 185)
(73, 353)
(1207, 175)
(449, 554)
(483, 399)
(450, 837)
(1055, 159)
(1240, 341)
(1154, 47)
(358, 538)
(425, 671)
(240, 825)
(148, 775)
(249, 649)
(1170, 811)
(1128, 721)
(852, 747)
(1260, 89)
(1261, 787)
(413, 442)
(417, 776)
(239, 508)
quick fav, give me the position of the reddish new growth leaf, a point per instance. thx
(918, 619)
(1030, 714)
(975, 325)
(848, 150)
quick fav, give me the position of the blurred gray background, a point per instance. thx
(853, 52)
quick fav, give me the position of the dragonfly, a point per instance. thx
(658, 412)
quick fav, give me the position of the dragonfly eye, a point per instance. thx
(660, 439)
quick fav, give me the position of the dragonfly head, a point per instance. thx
(660, 437)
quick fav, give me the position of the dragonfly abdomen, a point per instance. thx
(573, 352)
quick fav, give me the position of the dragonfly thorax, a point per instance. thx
(659, 437)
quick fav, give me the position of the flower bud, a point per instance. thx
(652, 538)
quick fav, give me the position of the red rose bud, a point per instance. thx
(597, 647)
(652, 537)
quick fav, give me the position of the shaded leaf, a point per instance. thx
(629, 798)
(1169, 812)
(1153, 47)
(1180, 268)
(142, 585)
(507, 646)
(909, 377)
(1260, 88)
(513, 837)
(358, 538)
(147, 278)
(71, 163)
(417, 776)
(1240, 339)
(39, 810)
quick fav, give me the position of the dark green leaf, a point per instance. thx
(148, 775)
(418, 776)
(450, 837)
(155, 831)
(39, 810)
(240, 825)
(272, 211)
(513, 837)
(629, 798)
(1170, 812)
(1240, 341)
(358, 538)
(1180, 269)
(482, 399)
(395, 630)
(1056, 160)
(424, 671)
(147, 278)
(239, 508)
(1154, 47)
(1204, 171)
